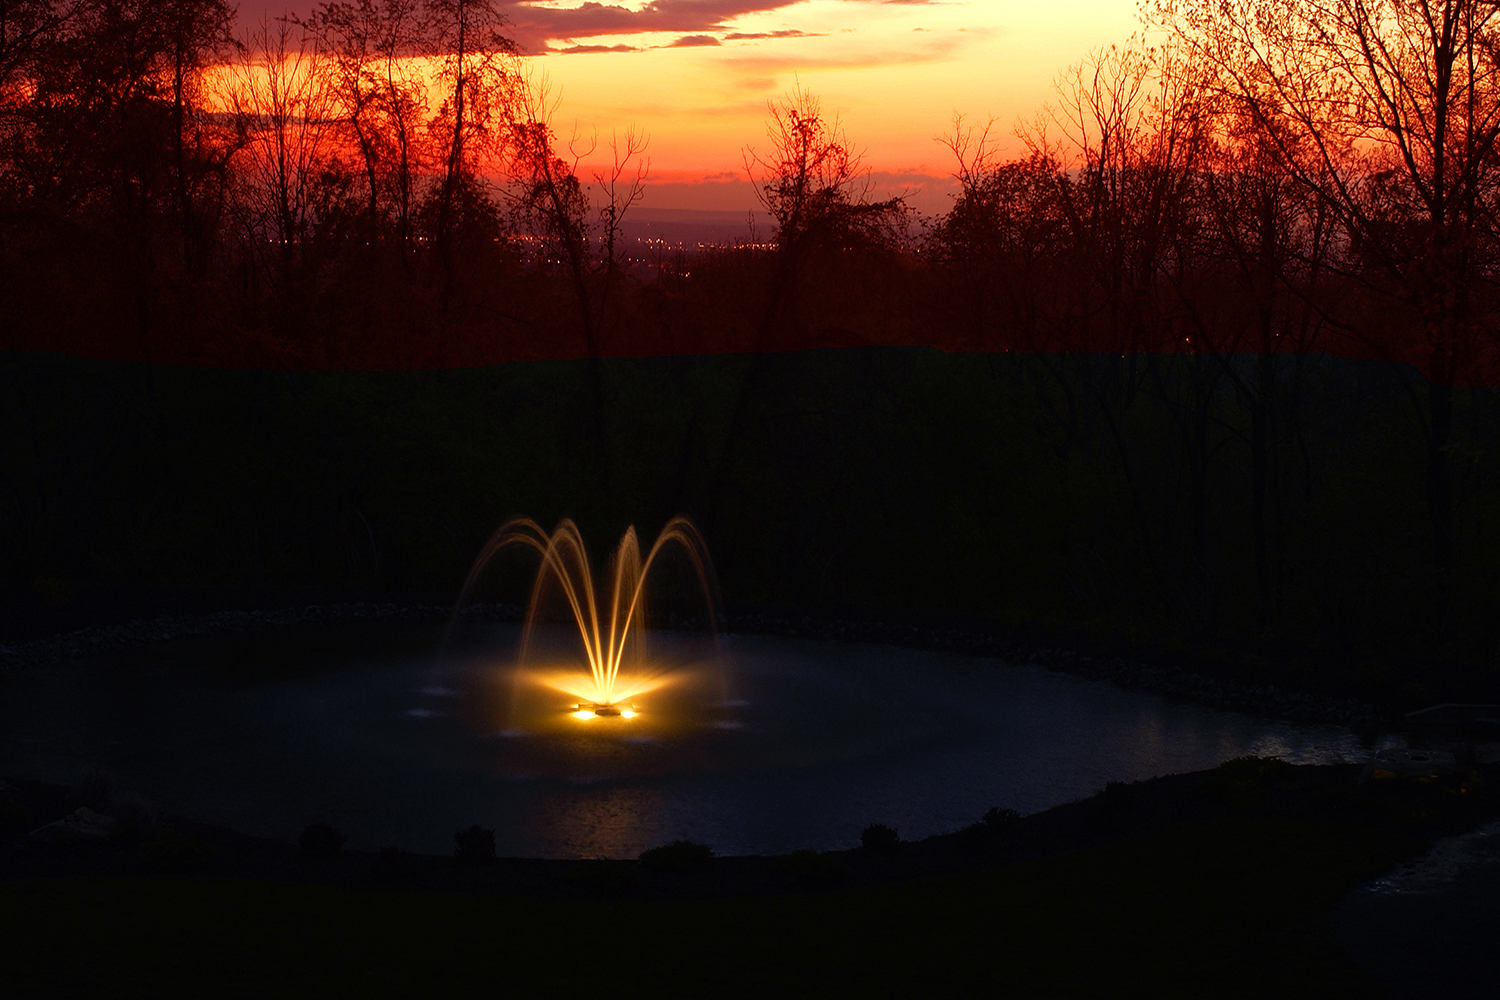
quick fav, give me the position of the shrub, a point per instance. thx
(878, 837)
(678, 856)
(809, 868)
(321, 841)
(984, 834)
(1109, 808)
(476, 846)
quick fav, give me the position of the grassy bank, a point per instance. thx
(1224, 908)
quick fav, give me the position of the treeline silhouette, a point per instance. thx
(1192, 231)
(379, 186)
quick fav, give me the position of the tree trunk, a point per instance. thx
(1440, 498)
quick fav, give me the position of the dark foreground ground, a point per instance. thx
(1220, 883)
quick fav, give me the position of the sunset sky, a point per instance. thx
(696, 76)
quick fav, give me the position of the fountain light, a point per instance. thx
(594, 709)
(607, 631)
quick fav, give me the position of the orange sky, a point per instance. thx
(696, 75)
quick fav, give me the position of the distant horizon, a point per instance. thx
(925, 195)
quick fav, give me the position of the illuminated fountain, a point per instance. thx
(612, 633)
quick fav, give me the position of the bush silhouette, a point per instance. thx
(476, 846)
(987, 832)
(678, 856)
(879, 837)
(998, 819)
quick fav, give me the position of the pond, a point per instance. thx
(772, 745)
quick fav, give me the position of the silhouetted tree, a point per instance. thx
(811, 183)
(284, 110)
(197, 32)
(1389, 111)
(1260, 298)
(26, 26)
(111, 133)
(1130, 132)
(551, 205)
(550, 202)
(623, 186)
(475, 65)
(1000, 240)
(382, 99)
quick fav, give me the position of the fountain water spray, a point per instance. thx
(606, 633)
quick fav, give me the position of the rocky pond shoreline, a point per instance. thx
(1286, 845)
(1170, 680)
(91, 830)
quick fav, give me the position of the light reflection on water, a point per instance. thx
(797, 744)
(1449, 861)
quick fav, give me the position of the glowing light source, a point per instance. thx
(591, 710)
(606, 632)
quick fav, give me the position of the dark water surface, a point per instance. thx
(779, 744)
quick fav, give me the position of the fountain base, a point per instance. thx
(587, 709)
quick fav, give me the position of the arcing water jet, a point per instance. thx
(610, 635)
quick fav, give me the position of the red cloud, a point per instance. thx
(532, 26)
(576, 49)
(739, 36)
